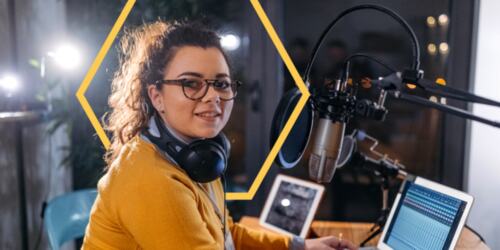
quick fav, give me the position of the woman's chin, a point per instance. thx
(207, 133)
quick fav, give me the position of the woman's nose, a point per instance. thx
(212, 95)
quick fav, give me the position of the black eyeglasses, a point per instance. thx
(196, 88)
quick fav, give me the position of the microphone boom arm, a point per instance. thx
(434, 88)
(395, 83)
(444, 108)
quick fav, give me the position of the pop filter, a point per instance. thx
(292, 150)
(348, 147)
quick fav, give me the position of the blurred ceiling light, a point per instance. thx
(432, 49)
(66, 56)
(230, 42)
(443, 48)
(10, 83)
(431, 21)
(443, 19)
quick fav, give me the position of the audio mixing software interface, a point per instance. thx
(425, 219)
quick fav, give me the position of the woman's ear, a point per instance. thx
(156, 98)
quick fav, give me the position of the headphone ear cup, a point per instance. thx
(223, 141)
(203, 160)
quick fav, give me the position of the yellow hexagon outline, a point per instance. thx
(80, 94)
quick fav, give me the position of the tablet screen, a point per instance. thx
(291, 205)
(424, 219)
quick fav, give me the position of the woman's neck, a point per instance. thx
(176, 134)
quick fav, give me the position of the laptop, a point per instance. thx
(425, 215)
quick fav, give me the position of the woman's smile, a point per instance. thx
(209, 115)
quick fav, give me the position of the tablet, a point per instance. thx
(291, 206)
(425, 215)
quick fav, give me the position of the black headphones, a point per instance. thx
(204, 160)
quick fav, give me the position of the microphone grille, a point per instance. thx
(321, 168)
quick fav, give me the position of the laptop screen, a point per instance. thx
(424, 219)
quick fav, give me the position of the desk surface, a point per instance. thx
(357, 232)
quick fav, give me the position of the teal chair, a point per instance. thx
(67, 216)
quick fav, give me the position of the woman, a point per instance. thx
(175, 80)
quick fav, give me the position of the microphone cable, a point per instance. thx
(389, 12)
(372, 58)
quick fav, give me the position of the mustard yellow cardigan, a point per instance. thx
(145, 202)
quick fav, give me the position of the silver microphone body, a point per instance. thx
(326, 149)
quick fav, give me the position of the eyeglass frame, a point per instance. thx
(207, 81)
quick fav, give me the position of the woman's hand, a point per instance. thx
(329, 243)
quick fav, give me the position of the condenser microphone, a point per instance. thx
(326, 150)
(335, 106)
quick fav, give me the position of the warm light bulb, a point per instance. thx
(443, 48)
(431, 21)
(443, 19)
(432, 49)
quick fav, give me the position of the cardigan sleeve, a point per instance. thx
(248, 238)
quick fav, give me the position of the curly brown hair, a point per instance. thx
(144, 55)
